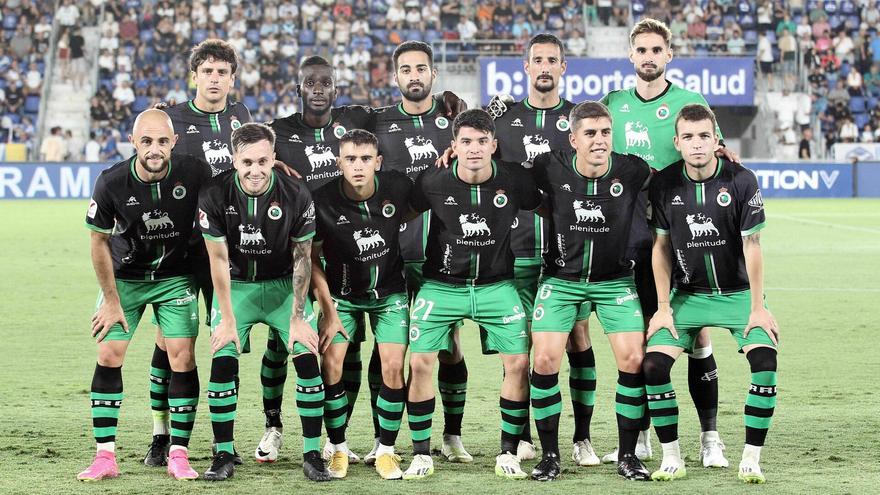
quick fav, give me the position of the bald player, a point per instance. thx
(141, 216)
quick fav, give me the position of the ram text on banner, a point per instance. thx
(48, 180)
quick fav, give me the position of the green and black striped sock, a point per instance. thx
(662, 403)
(183, 399)
(106, 399)
(374, 381)
(309, 400)
(389, 409)
(335, 412)
(420, 417)
(223, 401)
(273, 375)
(514, 415)
(630, 408)
(761, 400)
(160, 374)
(452, 382)
(546, 408)
(582, 384)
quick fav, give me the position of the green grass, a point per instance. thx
(822, 261)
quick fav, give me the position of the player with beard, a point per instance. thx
(410, 134)
(644, 119)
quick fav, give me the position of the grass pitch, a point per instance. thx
(822, 262)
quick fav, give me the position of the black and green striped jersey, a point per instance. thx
(523, 133)
(469, 233)
(312, 151)
(410, 144)
(360, 238)
(591, 217)
(259, 230)
(151, 222)
(705, 222)
(207, 135)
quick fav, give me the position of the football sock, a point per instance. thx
(374, 381)
(106, 399)
(273, 375)
(630, 408)
(335, 411)
(223, 400)
(160, 374)
(389, 409)
(514, 416)
(452, 382)
(352, 367)
(662, 404)
(582, 383)
(761, 400)
(183, 399)
(703, 386)
(419, 415)
(309, 399)
(546, 408)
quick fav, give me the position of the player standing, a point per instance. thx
(258, 226)
(358, 222)
(141, 217)
(708, 214)
(468, 274)
(591, 193)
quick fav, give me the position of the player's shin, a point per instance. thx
(452, 382)
(761, 399)
(662, 403)
(183, 399)
(546, 408)
(273, 375)
(582, 383)
(374, 381)
(630, 402)
(703, 386)
(352, 368)
(309, 400)
(223, 401)
(106, 400)
(160, 374)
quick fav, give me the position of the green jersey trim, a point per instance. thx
(661, 231)
(555, 107)
(578, 172)
(98, 229)
(214, 238)
(455, 173)
(715, 175)
(267, 191)
(754, 229)
(303, 238)
(135, 175)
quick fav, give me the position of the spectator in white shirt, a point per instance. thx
(176, 95)
(67, 14)
(92, 150)
(218, 12)
(124, 94)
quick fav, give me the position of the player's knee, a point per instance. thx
(224, 369)
(631, 362)
(517, 365)
(656, 367)
(421, 365)
(762, 359)
(110, 355)
(545, 364)
(703, 339)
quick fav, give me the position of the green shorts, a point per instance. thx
(174, 301)
(691, 312)
(495, 307)
(265, 301)
(616, 303)
(389, 318)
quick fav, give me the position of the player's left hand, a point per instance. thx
(728, 154)
(444, 159)
(452, 104)
(286, 169)
(302, 332)
(103, 320)
(764, 319)
(328, 327)
(160, 105)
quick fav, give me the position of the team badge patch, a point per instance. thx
(388, 209)
(723, 197)
(274, 211)
(500, 200)
(562, 124)
(414, 333)
(93, 209)
(234, 122)
(441, 122)
(616, 188)
(179, 192)
(663, 112)
(309, 215)
(339, 131)
(538, 313)
(203, 219)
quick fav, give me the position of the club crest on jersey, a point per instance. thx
(420, 148)
(473, 224)
(616, 188)
(192, 130)
(535, 145)
(274, 211)
(700, 225)
(663, 112)
(723, 197)
(179, 192)
(441, 122)
(234, 122)
(216, 151)
(516, 123)
(156, 219)
(367, 239)
(393, 128)
(388, 209)
(562, 124)
(589, 212)
(339, 131)
(320, 156)
(295, 139)
(500, 199)
(637, 134)
(251, 236)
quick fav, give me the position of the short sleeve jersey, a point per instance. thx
(360, 238)
(591, 216)
(207, 135)
(259, 230)
(705, 222)
(150, 222)
(312, 151)
(469, 233)
(523, 133)
(410, 144)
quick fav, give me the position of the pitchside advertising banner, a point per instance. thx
(724, 81)
(776, 180)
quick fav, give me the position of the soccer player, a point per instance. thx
(643, 119)
(411, 133)
(258, 225)
(204, 126)
(358, 222)
(707, 213)
(468, 274)
(591, 193)
(141, 216)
